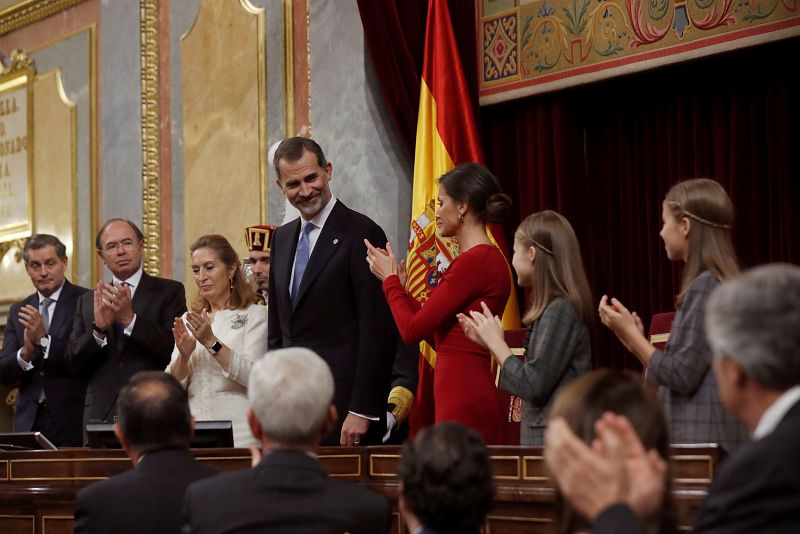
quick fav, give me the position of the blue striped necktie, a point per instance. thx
(301, 259)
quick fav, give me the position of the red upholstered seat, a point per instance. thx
(660, 325)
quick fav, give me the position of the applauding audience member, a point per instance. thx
(446, 481)
(697, 216)
(219, 340)
(581, 405)
(547, 260)
(155, 428)
(291, 393)
(752, 327)
(123, 326)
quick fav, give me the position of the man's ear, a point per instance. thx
(192, 422)
(132, 454)
(329, 169)
(255, 425)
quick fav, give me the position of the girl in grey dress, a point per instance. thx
(547, 259)
(697, 216)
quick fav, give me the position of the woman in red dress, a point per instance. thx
(469, 198)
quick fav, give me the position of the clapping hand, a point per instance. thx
(117, 299)
(200, 327)
(620, 320)
(382, 262)
(185, 342)
(483, 328)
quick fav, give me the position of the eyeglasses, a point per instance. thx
(126, 244)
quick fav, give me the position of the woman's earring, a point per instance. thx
(231, 284)
(461, 217)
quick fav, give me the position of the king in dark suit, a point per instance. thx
(125, 326)
(323, 297)
(287, 491)
(50, 398)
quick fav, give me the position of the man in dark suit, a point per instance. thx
(752, 326)
(446, 478)
(155, 429)
(323, 297)
(124, 326)
(287, 490)
(50, 398)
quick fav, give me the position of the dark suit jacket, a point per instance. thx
(145, 499)
(156, 303)
(757, 489)
(287, 492)
(341, 313)
(64, 390)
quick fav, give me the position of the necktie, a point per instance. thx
(119, 328)
(301, 259)
(46, 313)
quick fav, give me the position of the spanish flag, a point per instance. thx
(446, 135)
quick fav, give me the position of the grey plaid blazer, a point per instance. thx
(557, 351)
(687, 387)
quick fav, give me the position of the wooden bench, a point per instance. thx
(37, 488)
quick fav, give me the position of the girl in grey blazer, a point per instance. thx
(697, 216)
(547, 259)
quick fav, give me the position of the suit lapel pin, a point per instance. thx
(335, 241)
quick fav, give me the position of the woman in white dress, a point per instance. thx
(217, 342)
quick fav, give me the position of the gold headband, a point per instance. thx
(705, 221)
(539, 245)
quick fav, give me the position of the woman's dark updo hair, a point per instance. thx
(473, 184)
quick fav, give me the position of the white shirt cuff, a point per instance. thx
(129, 329)
(25, 366)
(365, 416)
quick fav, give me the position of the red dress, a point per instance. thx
(463, 383)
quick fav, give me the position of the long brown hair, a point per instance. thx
(584, 400)
(705, 203)
(559, 266)
(242, 293)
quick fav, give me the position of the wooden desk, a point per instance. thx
(37, 488)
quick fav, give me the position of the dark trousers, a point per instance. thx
(46, 424)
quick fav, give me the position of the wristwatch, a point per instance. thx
(99, 330)
(44, 342)
(216, 347)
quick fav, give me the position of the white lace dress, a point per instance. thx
(215, 394)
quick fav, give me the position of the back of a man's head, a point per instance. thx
(290, 392)
(447, 478)
(754, 319)
(153, 411)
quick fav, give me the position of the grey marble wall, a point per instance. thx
(120, 105)
(371, 172)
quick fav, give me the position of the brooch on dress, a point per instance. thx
(239, 321)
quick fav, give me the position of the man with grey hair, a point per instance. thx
(753, 326)
(50, 398)
(287, 490)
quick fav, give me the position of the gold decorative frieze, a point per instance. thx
(151, 114)
(30, 11)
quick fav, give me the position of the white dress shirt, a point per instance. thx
(51, 308)
(774, 414)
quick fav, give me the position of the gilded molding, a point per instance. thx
(288, 70)
(151, 192)
(30, 11)
(8, 245)
(308, 52)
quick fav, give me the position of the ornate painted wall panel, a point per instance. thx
(533, 46)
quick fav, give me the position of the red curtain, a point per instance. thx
(605, 154)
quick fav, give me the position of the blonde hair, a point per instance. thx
(559, 266)
(706, 204)
(242, 293)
